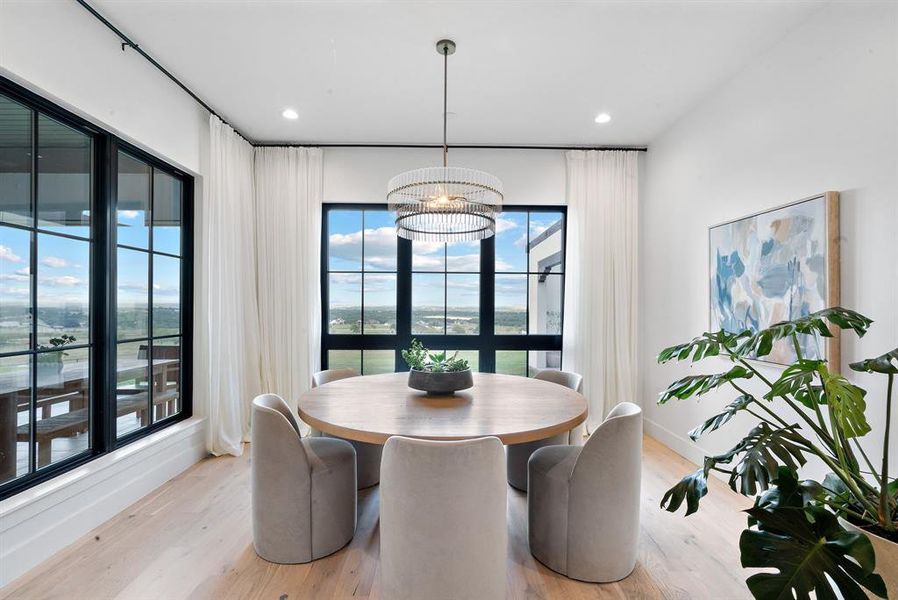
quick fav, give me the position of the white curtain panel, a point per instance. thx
(288, 233)
(229, 333)
(600, 327)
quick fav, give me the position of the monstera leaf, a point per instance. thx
(795, 378)
(811, 552)
(707, 344)
(887, 364)
(697, 385)
(761, 343)
(722, 418)
(846, 403)
(691, 488)
(763, 450)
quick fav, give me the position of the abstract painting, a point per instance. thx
(778, 265)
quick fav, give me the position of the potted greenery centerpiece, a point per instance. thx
(838, 535)
(435, 372)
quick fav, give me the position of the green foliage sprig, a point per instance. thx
(419, 358)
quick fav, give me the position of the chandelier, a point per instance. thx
(445, 204)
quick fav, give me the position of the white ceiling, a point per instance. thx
(524, 73)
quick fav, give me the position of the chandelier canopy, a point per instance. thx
(445, 204)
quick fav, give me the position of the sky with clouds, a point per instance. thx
(348, 230)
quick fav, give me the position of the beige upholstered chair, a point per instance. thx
(303, 490)
(584, 501)
(519, 454)
(443, 531)
(367, 455)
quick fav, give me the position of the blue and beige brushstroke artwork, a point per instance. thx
(769, 268)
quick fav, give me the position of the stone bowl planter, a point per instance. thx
(440, 384)
(886, 557)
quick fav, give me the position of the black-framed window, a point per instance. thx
(499, 302)
(69, 207)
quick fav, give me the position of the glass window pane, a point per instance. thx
(463, 257)
(428, 303)
(63, 404)
(546, 242)
(511, 304)
(133, 210)
(166, 377)
(380, 303)
(540, 360)
(15, 163)
(345, 298)
(512, 362)
(166, 213)
(63, 289)
(428, 256)
(63, 178)
(15, 401)
(344, 242)
(380, 241)
(511, 242)
(15, 289)
(132, 387)
(378, 361)
(462, 304)
(166, 295)
(132, 313)
(344, 359)
(545, 304)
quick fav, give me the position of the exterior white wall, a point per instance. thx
(817, 112)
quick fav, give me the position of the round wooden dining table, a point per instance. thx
(374, 408)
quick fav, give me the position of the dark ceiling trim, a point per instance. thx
(129, 43)
(455, 146)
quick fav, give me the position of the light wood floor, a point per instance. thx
(191, 538)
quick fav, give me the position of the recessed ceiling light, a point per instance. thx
(291, 114)
(600, 118)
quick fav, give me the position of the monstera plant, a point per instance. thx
(810, 536)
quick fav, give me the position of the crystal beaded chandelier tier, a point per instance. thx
(445, 204)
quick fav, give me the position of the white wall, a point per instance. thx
(817, 112)
(361, 174)
(58, 50)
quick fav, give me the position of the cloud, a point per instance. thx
(128, 214)
(55, 262)
(132, 287)
(504, 225)
(380, 247)
(14, 277)
(379, 283)
(64, 281)
(8, 255)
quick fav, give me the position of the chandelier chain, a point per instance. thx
(445, 103)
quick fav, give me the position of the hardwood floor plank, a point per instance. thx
(192, 538)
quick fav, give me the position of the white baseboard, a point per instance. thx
(43, 520)
(679, 444)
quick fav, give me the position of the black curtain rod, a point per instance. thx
(127, 42)
(455, 146)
